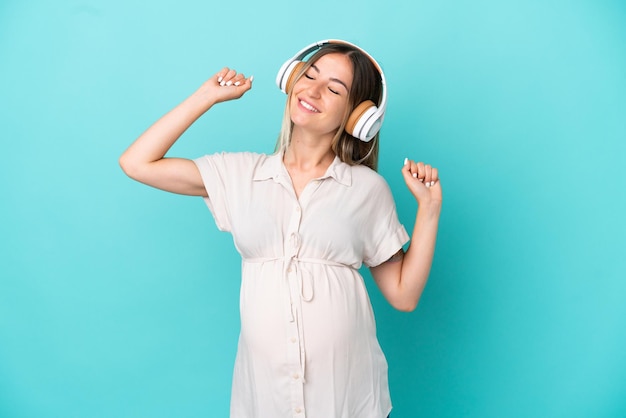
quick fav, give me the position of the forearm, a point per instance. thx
(403, 277)
(154, 143)
(418, 258)
(144, 160)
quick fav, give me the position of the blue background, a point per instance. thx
(117, 300)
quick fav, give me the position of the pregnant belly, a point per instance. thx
(335, 319)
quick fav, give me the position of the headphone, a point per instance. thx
(366, 118)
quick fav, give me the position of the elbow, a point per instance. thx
(122, 161)
(406, 306)
(127, 167)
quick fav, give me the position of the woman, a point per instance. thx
(304, 220)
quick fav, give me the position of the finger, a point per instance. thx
(245, 83)
(413, 169)
(409, 167)
(421, 172)
(227, 78)
(242, 86)
(435, 176)
(238, 79)
(427, 175)
(221, 74)
(406, 171)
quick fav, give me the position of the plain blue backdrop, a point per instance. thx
(117, 300)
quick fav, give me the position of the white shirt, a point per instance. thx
(308, 345)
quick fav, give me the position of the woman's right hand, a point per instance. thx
(227, 84)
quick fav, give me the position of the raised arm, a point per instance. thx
(402, 278)
(145, 159)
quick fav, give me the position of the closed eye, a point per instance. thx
(332, 90)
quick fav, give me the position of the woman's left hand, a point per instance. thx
(423, 181)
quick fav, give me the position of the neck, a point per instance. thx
(309, 152)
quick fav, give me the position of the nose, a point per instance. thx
(314, 89)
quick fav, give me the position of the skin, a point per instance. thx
(310, 153)
(403, 277)
(325, 87)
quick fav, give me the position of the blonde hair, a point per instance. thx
(366, 85)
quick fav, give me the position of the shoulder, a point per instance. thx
(234, 157)
(232, 161)
(363, 176)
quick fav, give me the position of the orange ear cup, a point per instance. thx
(292, 76)
(356, 115)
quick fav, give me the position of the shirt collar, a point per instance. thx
(272, 167)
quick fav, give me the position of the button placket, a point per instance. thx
(295, 336)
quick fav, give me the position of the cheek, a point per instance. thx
(342, 111)
(292, 104)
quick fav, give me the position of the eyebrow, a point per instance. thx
(336, 80)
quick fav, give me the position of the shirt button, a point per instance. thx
(296, 376)
(297, 208)
(298, 410)
(293, 340)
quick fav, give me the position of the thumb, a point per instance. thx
(247, 83)
(244, 87)
(406, 172)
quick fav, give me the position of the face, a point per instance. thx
(319, 99)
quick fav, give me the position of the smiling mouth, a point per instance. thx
(307, 106)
